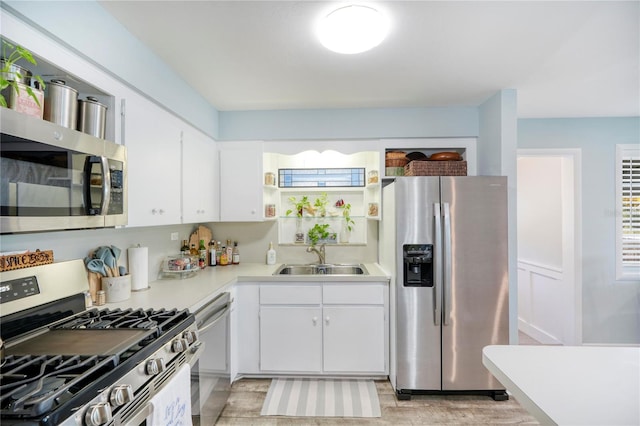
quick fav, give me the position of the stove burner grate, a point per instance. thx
(33, 385)
(130, 318)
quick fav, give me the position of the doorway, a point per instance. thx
(549, 245)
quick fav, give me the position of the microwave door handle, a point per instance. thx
(106, 185)
(437, 310)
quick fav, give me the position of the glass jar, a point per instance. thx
(269, 179)
(372, 176)
(373, 209)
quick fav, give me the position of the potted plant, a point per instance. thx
(299, 205)
(348, 223)
(319, 232)
(321, 204)
(10, 74)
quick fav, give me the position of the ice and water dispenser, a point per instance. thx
(418, 265)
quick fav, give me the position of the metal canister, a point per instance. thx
(61, 104)
(92, 117)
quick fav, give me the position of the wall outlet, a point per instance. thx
(174, 236)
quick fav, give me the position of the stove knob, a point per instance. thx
(98, 414)
(120, 395)
(155, 366)
(191, 336)
(179, 345)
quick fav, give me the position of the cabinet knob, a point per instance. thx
(161, 211)
(154, 211)
(315, 320)
(327, 319)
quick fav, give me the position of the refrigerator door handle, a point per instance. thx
(437, 309)
(447, 263)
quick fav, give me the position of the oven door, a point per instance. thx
(210, 377)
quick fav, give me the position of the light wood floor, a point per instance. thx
(247, 397)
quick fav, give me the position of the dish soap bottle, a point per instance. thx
(271, 255)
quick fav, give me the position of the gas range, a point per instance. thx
(67, 365)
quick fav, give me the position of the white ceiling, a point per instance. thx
(565, 59)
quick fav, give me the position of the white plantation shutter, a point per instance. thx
(628, 212)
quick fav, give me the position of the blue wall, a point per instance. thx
(372, 123)
(611, 310)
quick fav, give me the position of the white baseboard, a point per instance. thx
(537, 334)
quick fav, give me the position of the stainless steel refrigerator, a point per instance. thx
(446, 239)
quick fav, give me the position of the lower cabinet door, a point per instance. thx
(354, 339)
(290, 339)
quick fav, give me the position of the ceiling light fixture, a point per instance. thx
(353, 29)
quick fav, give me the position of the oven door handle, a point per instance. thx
(213, 319)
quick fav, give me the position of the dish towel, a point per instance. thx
(172, 405)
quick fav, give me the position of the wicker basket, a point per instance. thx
(25, 260)
(436, 168)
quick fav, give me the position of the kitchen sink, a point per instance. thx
(325, 269)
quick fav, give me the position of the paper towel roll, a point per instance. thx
(139, 268)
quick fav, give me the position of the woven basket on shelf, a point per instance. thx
(436, 168)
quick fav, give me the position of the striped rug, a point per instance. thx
(321, 398)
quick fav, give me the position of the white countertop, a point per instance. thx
(571, 385)
(194, 292)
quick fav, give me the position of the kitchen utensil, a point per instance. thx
(116, 252)
(122, 270)
(61, 104)
(96, 265)
(92, 117)
(101, 252)
(111, 262)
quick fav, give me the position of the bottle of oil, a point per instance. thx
(202, 255)
(212, 253)
(235, 254)
(224, 260)
(184, 250)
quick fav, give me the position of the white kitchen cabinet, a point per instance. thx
(353, 339)
(199, 177)
(241, 189)
(152, 138)
(291, 339)
(323, 328)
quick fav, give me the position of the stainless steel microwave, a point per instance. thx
(55, 178)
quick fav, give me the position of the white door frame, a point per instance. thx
(571, 234)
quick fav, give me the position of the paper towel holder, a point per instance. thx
(139, 268)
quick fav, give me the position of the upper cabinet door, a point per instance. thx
(241, 182)
(199, 178)
(152, 138)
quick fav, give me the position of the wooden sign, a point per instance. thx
(27, 259)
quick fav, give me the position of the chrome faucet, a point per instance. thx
(320, 252)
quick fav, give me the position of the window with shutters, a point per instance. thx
(628, 212)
